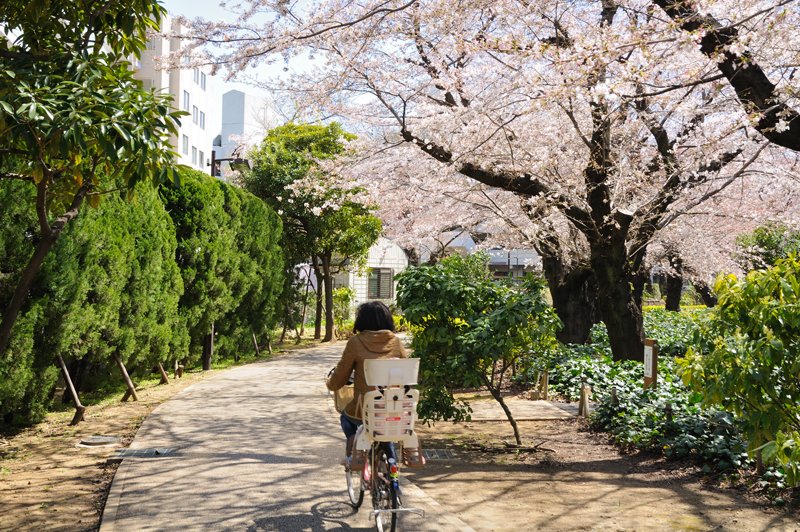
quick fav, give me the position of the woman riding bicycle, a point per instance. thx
(374, 338)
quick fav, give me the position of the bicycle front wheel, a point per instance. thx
(355, 487)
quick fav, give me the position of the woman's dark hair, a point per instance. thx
(373, 316)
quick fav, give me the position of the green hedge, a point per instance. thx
(141, 278)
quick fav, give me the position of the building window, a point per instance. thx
(202, 120)
(151, 43)
(195, 114)
(194, 155)
(185, 147)
(201, 159)
(203, 80)
(147, 84)
(380, 283)
(197, 75)
(185, 100)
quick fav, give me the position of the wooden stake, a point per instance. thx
(255, 344)
(543, 385)
(79, 408)
(583, 405)
(164, 378)
(131, 389)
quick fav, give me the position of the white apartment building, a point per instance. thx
(193, 90)
(246, 118)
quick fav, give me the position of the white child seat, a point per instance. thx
(390, 413)
(391, 371)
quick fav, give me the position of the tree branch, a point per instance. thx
(779, 123)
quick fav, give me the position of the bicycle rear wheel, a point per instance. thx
(384, 497)
(355, 487)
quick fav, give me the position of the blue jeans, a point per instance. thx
(350, 426)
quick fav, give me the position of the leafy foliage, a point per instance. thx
(469, 329)
(674, 331)
(229, 258)
(748, 360)
(73, 120)
(763, 246)
(323, 220)
(639, 419)
(114, 285)
(342, 301)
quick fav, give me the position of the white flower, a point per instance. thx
(289, 200)
(781, 126)
(316, 210)
(280, 212)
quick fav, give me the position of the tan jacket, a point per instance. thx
(365, 345)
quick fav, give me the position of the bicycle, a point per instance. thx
(389, 417)
(380, 476)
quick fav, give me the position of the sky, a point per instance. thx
(209, 9)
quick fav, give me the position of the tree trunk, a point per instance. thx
(499, 398)
(21, 292)
(49, 235)
(208, 349)
(674, 282)
(674, 290)
(706, 294)
(326, 274)
(574, 295)
(318, 322)
(617, 303)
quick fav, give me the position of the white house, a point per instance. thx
(192, 89)
(385, 260)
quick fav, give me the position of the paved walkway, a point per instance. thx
(254, 448)
(522, 410)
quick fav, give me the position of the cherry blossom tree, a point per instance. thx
(602, 120)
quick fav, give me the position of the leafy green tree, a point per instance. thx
(258, 279)
(322, 220)
(766, 244)
(470, 330)
(112, 288)
(20, 366)
(74, 123)
(206, 256)
(749, 360)
(229, 259)
(152, 327)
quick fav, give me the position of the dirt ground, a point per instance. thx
(47, 482)
(576, 481)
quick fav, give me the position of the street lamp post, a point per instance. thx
(237, 163)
